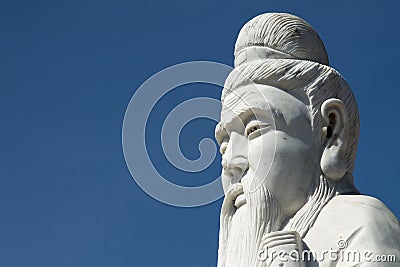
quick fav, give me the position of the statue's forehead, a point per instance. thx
(246, 99)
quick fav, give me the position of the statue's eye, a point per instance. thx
(252, 129)
(223, 147)
(255, 129)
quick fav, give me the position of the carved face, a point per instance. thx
(265, 137)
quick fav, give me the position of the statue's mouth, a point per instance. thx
(235, 196)
(239, 197)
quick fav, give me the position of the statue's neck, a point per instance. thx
(346, 186)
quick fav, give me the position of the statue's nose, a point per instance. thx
(235, 161)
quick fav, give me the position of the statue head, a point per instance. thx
(288, 134)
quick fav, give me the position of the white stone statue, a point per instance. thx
(288, 136)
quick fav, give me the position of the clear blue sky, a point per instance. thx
(68, 70)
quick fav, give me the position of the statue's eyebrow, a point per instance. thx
(221, 132)
(244, 115)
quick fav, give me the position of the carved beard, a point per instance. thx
(242, 230)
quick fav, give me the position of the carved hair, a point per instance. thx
(285, 33)
(283, 51)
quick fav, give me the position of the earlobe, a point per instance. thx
(335, 129)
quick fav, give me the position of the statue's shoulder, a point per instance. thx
(364, 222)
(359, 208)
(357, 212)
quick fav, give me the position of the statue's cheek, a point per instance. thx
(261, 151)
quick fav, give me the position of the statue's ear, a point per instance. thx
(336, 133)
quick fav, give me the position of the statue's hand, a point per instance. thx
(282, 248)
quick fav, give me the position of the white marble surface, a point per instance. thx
(288, 134)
